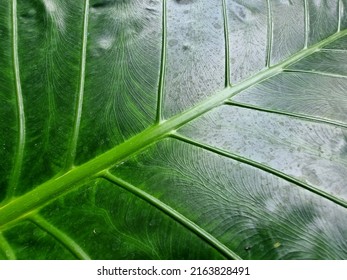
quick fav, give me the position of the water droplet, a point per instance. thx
(172, 42)
(217, 25)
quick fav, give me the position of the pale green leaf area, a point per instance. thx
(173, 129)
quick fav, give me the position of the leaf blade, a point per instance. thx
(127, 121)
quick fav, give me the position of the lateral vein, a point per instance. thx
(295, 115)
(315, 72)
(79, 105)
(20, 108)
(269, 33)
(340, 10)
(60, 236)
(6, 248)
(227, 44)
(264, 168)
(307, 23)
(183, 220)
(163, 63)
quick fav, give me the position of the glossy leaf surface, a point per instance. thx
(173, 129)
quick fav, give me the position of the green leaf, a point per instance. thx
(173, 129)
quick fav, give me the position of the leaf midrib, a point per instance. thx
(43, 194)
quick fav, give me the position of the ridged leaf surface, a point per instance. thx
(173, 129)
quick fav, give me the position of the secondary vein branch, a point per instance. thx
(78, 110)
(6, 248)
(20, 107)
(60, 236)
(263, 167)
(220, 247)
(163, 63)
(307, 23)
(227, 44)
(269, 33)
(295, 115)
(340, 11)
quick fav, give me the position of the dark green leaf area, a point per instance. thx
(49, 68)
(30, 242)
(122, 73)
(8, 134)
(110, 223)
(256, 214)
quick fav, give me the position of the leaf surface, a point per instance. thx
(174, 129)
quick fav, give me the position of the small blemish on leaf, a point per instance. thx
(103, 4)
(277, 244)
(186, 47)
(248, 247)
(30, 14)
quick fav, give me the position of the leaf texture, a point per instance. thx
(173, 129)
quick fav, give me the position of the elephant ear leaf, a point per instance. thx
(173, 129)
